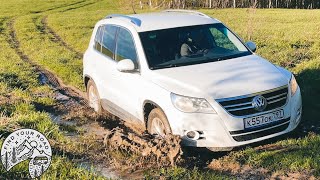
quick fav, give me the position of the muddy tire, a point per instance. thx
(93, 97)
(157, 123)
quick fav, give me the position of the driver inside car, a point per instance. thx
(192, 43)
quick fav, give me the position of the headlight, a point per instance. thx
(190, 104)
(293, 85)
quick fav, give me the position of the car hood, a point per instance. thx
(222, 79)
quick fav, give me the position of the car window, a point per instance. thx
(222, 40)
(97, 40)
(125, 46)
(108, 40)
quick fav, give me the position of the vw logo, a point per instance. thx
(259, 103)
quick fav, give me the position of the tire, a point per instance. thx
(157, 123)
(93, 97)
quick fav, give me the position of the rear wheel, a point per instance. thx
(93, 97)
(157, 123)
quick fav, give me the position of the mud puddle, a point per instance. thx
(100, 169)
(91, 128)
(77, 120)
(87, 129)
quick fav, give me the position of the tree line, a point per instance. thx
(183, 4)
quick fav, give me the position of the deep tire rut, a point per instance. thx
(57, 84)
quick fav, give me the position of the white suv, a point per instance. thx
(185, 73)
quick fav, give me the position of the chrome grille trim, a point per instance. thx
(242, 108)
(277, 100)
(242, 105)
(273, 97)
(235, 105)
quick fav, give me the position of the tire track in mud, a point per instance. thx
(42, 28)
(66, 92)
(71, 104)
(2, 21)
(53, 80)
(78, 7)
(48, 77)
(56, 38)
(57, 7)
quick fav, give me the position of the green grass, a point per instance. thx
(19, 92)
(290, 155)
(178, 173)
(289, 38)
(40, 48)
(60, 168)
(84, 19)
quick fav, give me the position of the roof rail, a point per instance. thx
(134, 20)
(186, 11)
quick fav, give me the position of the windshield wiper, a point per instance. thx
(164, 66)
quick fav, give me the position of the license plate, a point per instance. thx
(263, 119)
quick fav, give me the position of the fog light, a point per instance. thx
(194, 135)
(299, 112)
(191, 134)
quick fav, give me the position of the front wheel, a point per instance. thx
(93, 97)
(157, 123)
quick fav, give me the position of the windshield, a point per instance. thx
(190, 45)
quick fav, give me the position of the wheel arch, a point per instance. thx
(148, 106)
(86, 79)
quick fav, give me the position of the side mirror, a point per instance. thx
(125, 65)
(252, 46)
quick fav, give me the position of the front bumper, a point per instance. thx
(214, 129)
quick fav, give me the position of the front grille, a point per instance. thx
(242, 105)
(263, 133)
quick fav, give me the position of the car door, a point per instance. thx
(129, 84)
(105, 65)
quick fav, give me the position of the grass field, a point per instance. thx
(53, 34)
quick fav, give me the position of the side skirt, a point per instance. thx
(120, 112)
